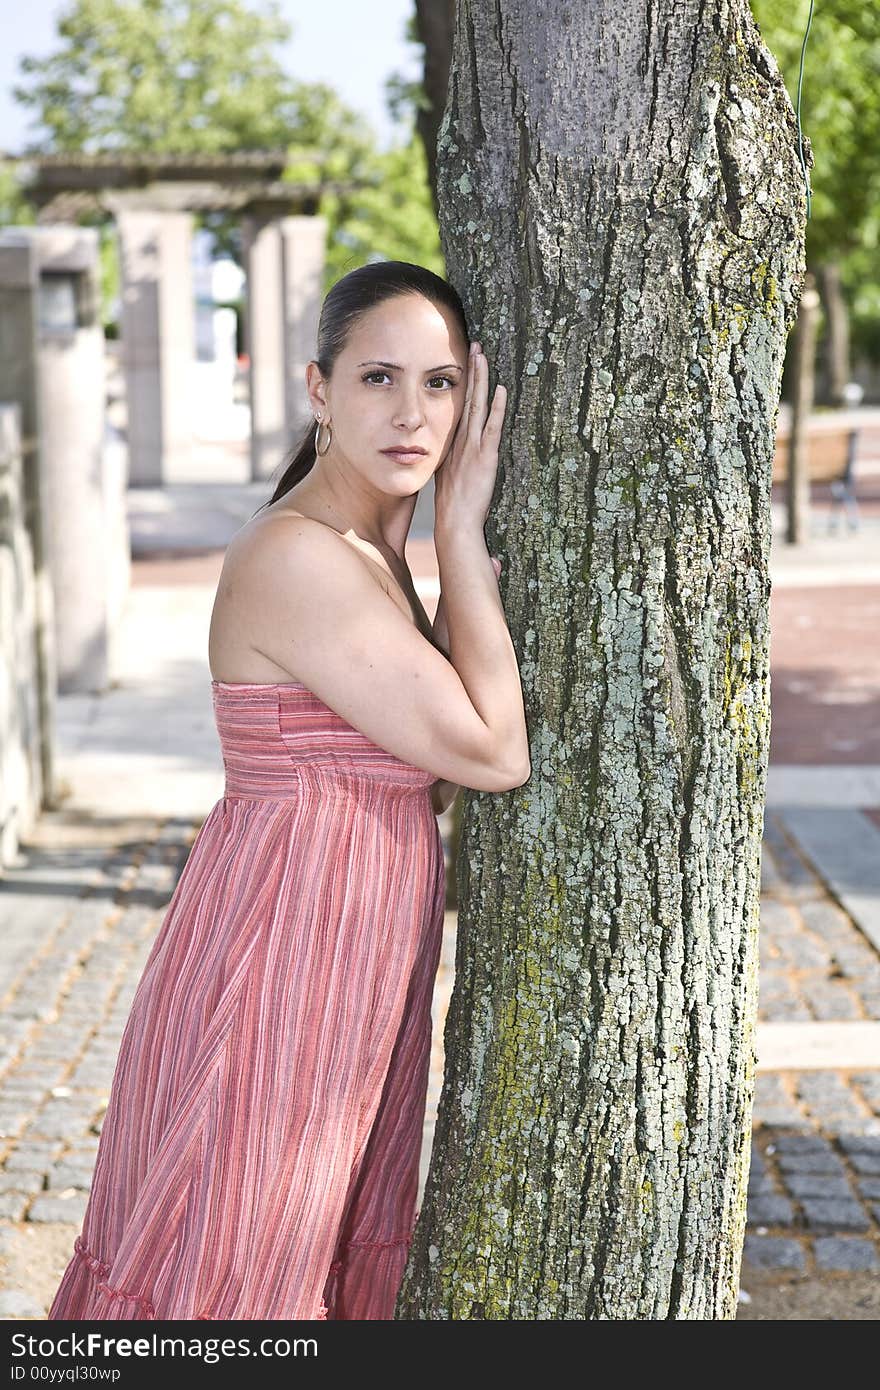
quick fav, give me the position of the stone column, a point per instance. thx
(158, 339)
(21, 775)
(19, 386)
(265, 341)
(71, 358)
(304, 241)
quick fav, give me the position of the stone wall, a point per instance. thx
(20, 762)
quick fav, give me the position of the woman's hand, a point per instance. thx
(465, 480)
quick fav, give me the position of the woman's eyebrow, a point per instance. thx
(374, 362)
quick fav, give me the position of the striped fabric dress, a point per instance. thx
(259, 1156)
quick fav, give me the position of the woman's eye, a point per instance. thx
(368, 376)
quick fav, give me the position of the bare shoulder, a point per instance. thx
(313, 604)
(308, 601)
(296, 546)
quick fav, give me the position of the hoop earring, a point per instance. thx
(318, 451)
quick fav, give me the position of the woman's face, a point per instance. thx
(400, 380)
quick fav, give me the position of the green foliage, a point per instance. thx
(840, 108)
(108, 257)
(840, 114)
(15, 210)
(205, 77)
(180, 76)
(390, 217)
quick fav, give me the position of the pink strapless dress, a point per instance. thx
(259, 1156)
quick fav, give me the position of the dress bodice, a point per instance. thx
(272, 735)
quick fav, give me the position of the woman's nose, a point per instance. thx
(409, 413)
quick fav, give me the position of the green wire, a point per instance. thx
(800, 133)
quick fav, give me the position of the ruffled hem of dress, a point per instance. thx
(337, 1265)
(146, 1310)
(101, 1268)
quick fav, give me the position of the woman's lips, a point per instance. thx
(405, 455)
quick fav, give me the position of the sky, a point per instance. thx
(349, 44)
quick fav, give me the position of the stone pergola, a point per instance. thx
(153, 199)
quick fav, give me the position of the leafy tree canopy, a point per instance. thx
(207, 77)
(840, 113)
(840, 109)
(180, 76)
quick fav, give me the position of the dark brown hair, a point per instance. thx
(344, 304)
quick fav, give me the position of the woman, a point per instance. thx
(259, 1155)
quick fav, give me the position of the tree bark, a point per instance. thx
(435, 20)
(623, 212)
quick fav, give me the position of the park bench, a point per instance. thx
(831, 454)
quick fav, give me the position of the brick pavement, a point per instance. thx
(815, 1170)
(81, 920)
(825, 690)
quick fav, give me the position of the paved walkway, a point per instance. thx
(141, 766)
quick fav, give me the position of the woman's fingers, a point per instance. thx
(478, 399)
(492, 428)
(478, 418)
(463, 426)
(496, 414)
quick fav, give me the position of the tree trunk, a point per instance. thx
(797, 482)
(435, 20)
(837, 370)
(622, 210)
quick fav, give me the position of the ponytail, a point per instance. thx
(299, 462)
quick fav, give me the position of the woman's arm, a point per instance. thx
(440, 626)
(444, 793)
